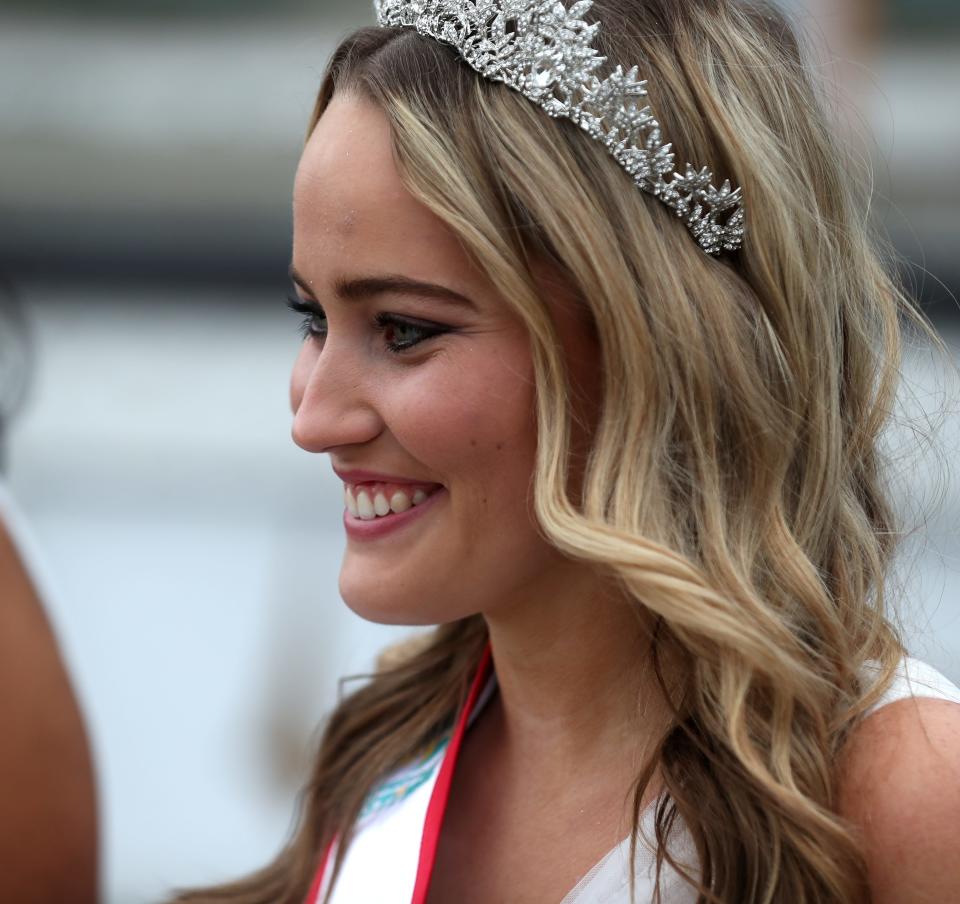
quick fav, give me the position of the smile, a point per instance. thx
(380, 500)
(375, 509)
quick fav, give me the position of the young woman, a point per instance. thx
(615, 432)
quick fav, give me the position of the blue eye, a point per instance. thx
(411, 333)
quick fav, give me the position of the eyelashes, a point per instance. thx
(313, 315)
(314, 326)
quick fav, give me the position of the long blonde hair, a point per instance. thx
(735, 486)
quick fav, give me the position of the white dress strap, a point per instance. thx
(913, 678)
(608, 882)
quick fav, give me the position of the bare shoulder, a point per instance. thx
(48, 833)
(900, 785)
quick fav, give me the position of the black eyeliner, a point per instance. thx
(381, 322)
(304, 307)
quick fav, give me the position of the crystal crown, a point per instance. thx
(543, 50)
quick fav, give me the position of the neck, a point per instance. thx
(577, 689)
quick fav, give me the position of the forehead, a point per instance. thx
(351, 211)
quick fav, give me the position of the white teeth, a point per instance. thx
(351, 503)
(365, 507)
(399, 502)
(360, 504)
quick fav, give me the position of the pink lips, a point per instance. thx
(359, 529)
(362, 476)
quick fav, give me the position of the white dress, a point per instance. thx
(382, 861)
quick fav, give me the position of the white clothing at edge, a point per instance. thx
(382, 861)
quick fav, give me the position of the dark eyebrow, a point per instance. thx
(369, 286)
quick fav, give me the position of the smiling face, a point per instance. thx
(415, 392)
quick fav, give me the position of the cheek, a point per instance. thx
(474, 427)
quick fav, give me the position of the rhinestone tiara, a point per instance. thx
(543, 50)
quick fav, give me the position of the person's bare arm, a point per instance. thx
(48, 823)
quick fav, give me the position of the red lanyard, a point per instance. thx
(438, 799)
(441, 789)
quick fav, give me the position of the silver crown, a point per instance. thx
(542, 49)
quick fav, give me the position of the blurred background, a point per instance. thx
(190, 550)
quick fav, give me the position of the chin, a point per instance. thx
(378, 605)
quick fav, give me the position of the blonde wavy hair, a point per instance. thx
(735, 486)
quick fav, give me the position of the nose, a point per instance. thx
(331, 400)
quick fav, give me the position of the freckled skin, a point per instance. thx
(458, 409)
